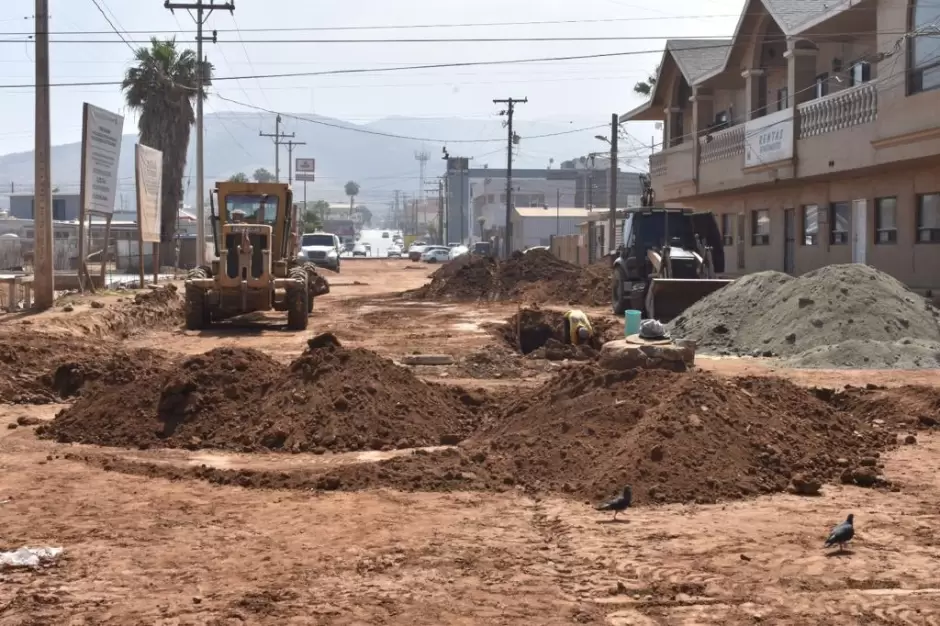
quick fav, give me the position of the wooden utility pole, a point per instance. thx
(290, 160)
(512, 140)
(43, 271)
(614, 175)
(203, 11)
(277, 135)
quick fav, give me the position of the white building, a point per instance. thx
(535, 226)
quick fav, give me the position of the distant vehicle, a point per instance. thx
(457, 251)
(483, 248)
(359, 249)
(436, 255)
(394, 251)
(416, 250)
(454, 244)
(385, 234)
(527, 250)
(321, 249)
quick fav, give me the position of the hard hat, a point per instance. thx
(583, 333)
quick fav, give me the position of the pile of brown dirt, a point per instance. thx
(331, 398)
(673, 437)
(537, 276)
(850, 316)
(532, 328)
(908, 407)
(37, 368)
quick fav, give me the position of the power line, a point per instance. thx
(402, 68)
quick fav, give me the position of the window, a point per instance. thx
(782, 99)
(859, 73)
(886, 216)
(924, 51)
(760, 227)
(839, 215)
(928, 218)
(58, 210)
(727, 230)
(810, 225)
(822, 85)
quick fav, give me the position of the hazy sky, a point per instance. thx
(583, 90)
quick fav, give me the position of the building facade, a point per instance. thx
(813, 134)
(535, 226)
(64, 206)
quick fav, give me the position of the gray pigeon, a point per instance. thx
(842, 534)
(621, 503)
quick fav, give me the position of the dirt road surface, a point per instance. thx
(142, 550)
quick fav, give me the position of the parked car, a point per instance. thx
(416, 250)
(360, 250)
(527, 250)
(394, 251)
(321, 249)
(436, 254)
(457, 251)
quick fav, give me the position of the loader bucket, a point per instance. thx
(669, 297)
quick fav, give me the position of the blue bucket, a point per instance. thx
(631, 322)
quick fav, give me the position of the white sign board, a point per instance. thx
(149, 171)
(305, 176)
(101, 152)
(768, 139)
(305, 165)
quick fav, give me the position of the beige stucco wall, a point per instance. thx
(916, 264)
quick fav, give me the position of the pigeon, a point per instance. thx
(618, 504)
(842, 534)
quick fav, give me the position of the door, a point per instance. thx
(859, 230)
(739, 231)
(789, 241)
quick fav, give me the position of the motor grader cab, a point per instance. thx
(669, 260)
(255, 266)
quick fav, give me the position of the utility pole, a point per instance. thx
(614, 172)
(277, 136)
(290, 159)
(43, 286)
(203, 11)
(513, 139)
(440, 211)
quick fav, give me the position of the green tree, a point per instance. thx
(322, 207)
(352, 190)
(262, 175)
(311, 220)
(240, 177)
(161, 88)
(365, 215)
(645, 87)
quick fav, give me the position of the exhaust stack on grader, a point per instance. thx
(255, 237)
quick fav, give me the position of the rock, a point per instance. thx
(656, 454)
(806, 485)
(868, 461)
(96, 304)
(842, 462)
(68, 308)
(847, 478)
(12, 425)
(427, 359)
(865, 476)
(619, 355)
(927, 420)
(450, 440)
(910, 440)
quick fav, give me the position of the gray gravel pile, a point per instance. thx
(849, 316)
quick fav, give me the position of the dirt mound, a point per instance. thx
(331, 398)
(36, 368)
(836, 316)
(674, 437)
(537, 276)
(532, 328)
(909, 407)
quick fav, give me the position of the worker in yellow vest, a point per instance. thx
(578, 329)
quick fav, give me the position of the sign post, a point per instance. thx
(148, 170)
(101, 151)
(305, 169)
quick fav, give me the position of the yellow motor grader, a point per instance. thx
(256, 266)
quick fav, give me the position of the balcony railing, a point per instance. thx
(658, 164)
(723, 144)
(843, 109)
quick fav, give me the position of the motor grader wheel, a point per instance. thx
(198, 315)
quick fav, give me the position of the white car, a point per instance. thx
(458, 250)
(360, 250)
(435, 255)
(394, 251)
(416, 250)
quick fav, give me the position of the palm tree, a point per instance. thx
(352, 190)
(645, 87)
(161, 88)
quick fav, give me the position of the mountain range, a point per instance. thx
(379, 155)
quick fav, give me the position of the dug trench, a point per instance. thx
(675, 437)
(540, 333)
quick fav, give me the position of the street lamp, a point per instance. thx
(602, 138)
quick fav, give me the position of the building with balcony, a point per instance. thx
(813, 134)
